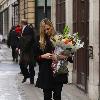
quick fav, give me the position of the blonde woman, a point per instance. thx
(46, 80)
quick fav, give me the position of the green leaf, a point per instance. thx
(66, 30)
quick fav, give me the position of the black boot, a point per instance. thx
(31, 81)
(25, 78)
(16, 60)
(13, 59)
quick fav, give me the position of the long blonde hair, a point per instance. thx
(42, 31)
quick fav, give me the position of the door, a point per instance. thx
(81, 25)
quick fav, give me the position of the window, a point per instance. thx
(60, 15)
(40, 14)
(42, 2)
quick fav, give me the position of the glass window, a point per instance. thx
(60, 15)
(42, 2)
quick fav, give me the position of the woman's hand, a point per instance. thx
(58, 57)
(47, 56)
(54, 57)
(62, 57)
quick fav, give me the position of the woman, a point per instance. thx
(46, 80)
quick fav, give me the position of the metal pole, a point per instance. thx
(45, 8)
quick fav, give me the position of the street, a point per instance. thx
(11, 87)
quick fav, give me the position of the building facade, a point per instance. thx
(34, 10)
(12, 11)
(8, 16)
(27, 10)
(82, 16)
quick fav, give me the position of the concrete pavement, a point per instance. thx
(8, 71)
(5, 53)
(11, 87)
(69, 92)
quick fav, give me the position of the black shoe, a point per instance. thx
(24, 80)
(16, 60)
(20, 73)
(31, 81)
(13, 59)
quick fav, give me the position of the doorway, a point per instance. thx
(81, 25)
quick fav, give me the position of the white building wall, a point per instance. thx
(10, 17)
(69, 14)
(69, 22)
(53, 12)
(6, 4)
(93, 87)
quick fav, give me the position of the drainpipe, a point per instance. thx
(45, 8)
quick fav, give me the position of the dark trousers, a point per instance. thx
(28, 72)
(14, 53)
(56, 93)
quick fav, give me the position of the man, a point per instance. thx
(12, 41)
(26, 46)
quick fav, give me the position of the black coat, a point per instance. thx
(12, 39)
(45, 75)
(26, 45)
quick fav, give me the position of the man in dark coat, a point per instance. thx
(12, 42)
(26, 46)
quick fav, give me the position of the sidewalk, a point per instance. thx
(5, 53)
(70, 92)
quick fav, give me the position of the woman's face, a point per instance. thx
(48, 29)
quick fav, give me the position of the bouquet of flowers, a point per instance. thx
(65, 44)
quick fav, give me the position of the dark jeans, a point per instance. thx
(56, 93)
(28, 72)
(14, 53)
